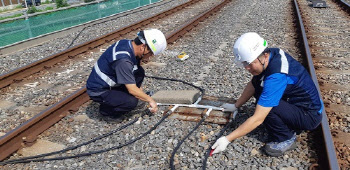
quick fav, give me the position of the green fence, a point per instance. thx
(20, 30)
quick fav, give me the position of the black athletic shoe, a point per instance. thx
(111, 114)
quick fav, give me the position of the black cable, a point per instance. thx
(33, 158)
(74, 147)
(170, 79)
(93, 152)
(172, 167)
(233, 120)
(76, 37)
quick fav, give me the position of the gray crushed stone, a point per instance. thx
(210, 66)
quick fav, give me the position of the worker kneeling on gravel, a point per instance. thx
(287, 98)
(117, 76)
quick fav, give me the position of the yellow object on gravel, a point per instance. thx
(182, 56)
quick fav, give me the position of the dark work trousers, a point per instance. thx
(118, 101)
(285, 119)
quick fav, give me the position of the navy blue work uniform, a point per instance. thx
(287, 87)
(116, 67)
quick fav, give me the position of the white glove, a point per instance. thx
(229, 107)
(220, 145)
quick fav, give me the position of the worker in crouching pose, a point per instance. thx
(287, 98)
(116, 78)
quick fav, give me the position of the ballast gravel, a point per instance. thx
(209, 66)
(47, 87)
(23, 57)
(329, 40)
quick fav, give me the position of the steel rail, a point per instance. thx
(29, 69)
(328, 140)
(27, 132)
(343, 4)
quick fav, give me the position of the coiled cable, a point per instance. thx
(33, 158)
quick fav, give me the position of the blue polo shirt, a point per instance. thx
(287, 79)
(274, 86)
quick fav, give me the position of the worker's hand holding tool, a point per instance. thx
(153, 105)
(220, 145)
(229, 107)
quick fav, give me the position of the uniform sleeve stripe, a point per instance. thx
(284, 62)
(103, 76)
(115, 46)
(119, 52)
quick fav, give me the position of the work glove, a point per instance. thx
(153, 105)
(220, 145)
(229, 107)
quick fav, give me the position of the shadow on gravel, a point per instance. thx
(320, 148)
(245, 112)
(92, 111)
(260, 134)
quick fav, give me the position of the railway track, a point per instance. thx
(46, 80)
(328, 37)
(27, 132)
(59, 114)
(20, 73)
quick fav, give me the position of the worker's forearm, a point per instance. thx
(248, 92)
(249, 125)
(138, 93)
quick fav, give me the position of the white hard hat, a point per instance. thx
(248, 47)
(155, 40)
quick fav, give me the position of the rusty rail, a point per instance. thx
(28, 131)
(194, 22)
(327, 137)
(345, 5)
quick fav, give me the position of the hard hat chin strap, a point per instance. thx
(262, 63)
(143, 53)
